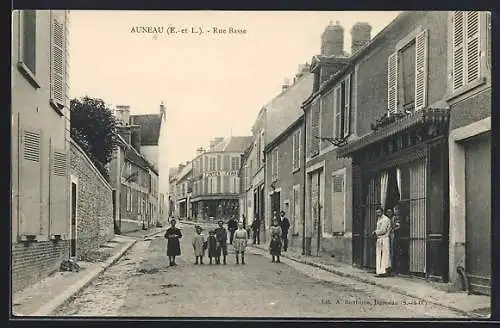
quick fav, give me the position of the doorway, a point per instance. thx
(478, 213)
(316, 206)
(74, 219)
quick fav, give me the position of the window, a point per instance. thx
(407, 76)
(296, 141)
(58, 62)
(274, 164)
(234, 187)
(213, 185)
(235, 163)
(212, 166)
(338, 203)
(28, 41)
(128, 198)
(466, 52)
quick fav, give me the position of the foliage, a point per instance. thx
(385, 120)
(93, 126)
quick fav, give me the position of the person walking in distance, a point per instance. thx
(173, 235)
(285, 226)
(232, 225)
(221, 237)
(240, 243)
(256, 230)
(199, 245)
(212, 246)
(275, 243)
(383, 259)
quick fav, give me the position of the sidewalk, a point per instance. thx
(475, 306)
(47, 295)
(144, 233)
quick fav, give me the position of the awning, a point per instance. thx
(422, 117)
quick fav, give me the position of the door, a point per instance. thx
(315, 207)
(437, 212)
(478, 213)
(357, 246)
(418, 217)
(73, 219)
(369, 218)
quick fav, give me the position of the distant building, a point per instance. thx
(134, 178)
(172, 193)
(216, 181)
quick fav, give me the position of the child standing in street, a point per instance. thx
(240, 243)
(212, 246)
(198, 245)
(275, 248)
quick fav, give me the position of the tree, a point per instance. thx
(93, 126)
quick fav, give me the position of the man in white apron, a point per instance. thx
(382, 233)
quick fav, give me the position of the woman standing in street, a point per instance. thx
(173, 235)
(275, 244)
(240, 242)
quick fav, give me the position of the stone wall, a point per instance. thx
(94, 203)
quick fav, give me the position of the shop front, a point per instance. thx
(403, 165)
(215, 208)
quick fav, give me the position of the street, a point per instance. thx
(142, 284)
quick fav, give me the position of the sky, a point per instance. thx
(212, 84)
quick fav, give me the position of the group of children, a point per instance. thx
(216, 244)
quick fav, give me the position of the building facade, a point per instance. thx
(40, 147)
(184, 190)
(172, 193)
(411, 151)
(215, 180)
(135, 180)
(284, 172)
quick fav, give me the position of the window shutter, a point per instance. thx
(294, 151)
(473, 46)
(392, 83)
(421, 70)
(59, 192)
(347, 106)
(458, 50)
(338, 204)
(337, 132)
(58, 63)
(315, 128)
(30, 182)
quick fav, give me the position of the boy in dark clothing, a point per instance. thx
(221, 237)
(285, 225)
(275, 248)
(212, 246)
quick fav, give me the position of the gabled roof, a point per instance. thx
(285, 109)
(150, 125)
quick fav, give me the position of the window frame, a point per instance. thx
(21, 65)
(296, 150)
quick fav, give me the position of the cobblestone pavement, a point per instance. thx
(142, 284)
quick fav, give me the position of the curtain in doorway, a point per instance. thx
(384, 178)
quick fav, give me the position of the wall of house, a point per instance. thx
(287, 179)
(151, 153)
(371, 70)
(39, 197)
(94, 204)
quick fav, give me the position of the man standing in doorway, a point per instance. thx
(285, 225)
(383, 244)
(256, 230)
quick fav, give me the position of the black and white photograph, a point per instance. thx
(251, 164)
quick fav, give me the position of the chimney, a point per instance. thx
(332, 40)
(285, 85)
(123, 114)
(361, 35)
(163, 112)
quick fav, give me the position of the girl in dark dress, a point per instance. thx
(173, 235)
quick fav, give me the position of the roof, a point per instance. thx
(185, 171)
(134, 156)
(150, 125)
(233, 144)
(285, 109)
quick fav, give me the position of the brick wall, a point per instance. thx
(95, 204)
(31, 262)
